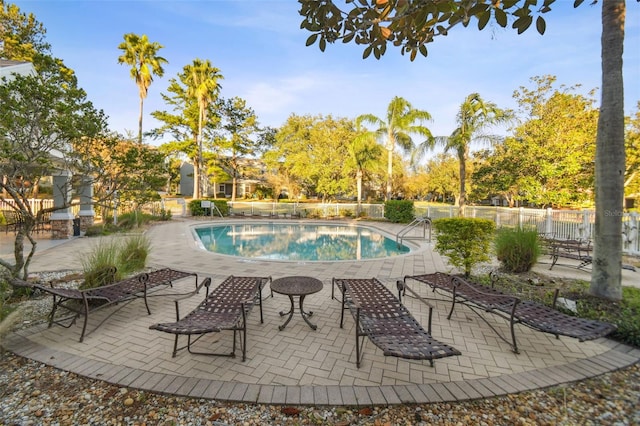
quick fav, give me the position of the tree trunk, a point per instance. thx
(233, 188)
(359, 190)
(140, 120)
(389, 172)
(197, 182)
(462, 155)
(196, 179)
(606, 275)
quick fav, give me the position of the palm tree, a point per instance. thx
(363, 153)
(606, 276)
(202, 85)
(143, 57)
(401, 122)
(473, 118)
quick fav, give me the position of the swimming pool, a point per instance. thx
(298, 241)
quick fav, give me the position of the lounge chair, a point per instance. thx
(381, 317)
(480, 299)
(82, 302)
(224, 308)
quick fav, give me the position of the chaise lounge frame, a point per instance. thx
(480, 299)
(225, 307)
(382, 318)
(82, 302)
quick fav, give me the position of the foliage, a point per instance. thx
(365, 158)
(238, 126)
(142, 56)
(202, 85)
(310, 155)
(474, 118)
(410, 25)
(399, 211)
(113, 259)
(517, 249)
(134, 219)
(401, 122)
(42, 113)
(625, 314)
(549, 161)
(132, 254)
(465, 241)
(196, 209)
(100, 266)
(632, 150)
(436, 181)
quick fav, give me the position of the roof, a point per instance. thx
(15, 67)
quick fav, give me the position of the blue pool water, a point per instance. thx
(298, 242)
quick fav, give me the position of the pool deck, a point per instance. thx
(298, 365)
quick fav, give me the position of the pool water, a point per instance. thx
(298, 242)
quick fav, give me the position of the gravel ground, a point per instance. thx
(32, 393)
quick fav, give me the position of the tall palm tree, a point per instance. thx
(364, 152)
(606, 276)
(474, 117)
(401, 121)
(203, 86)
(143, 57)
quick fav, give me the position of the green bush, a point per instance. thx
(100, 266)
(517, 249)
(133, 253)
(399, 211)
(112, 260)
(465, 241)
(195, 207)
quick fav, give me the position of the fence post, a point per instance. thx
(520, 217)
(584, 228)
(549, 222)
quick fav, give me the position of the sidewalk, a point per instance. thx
(298, 365)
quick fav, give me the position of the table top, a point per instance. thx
(296, 285)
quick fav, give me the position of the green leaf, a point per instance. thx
(501, 17)
(541, 25)
(312, 39)
(577, 3)
(522, 24)
(322, 44)
(483, 20)
(367, 52)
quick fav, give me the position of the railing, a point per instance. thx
(404, 232)
(569, 224)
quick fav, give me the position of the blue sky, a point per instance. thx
(260, 50)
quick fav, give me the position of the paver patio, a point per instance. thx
(298, 365)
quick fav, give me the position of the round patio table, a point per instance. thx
(296, 286)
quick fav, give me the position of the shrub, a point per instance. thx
(399, 211)
(133, 253)
(465, 241)
(165, 215)
(517, 249)
(112, 260)
(195, 207)
(100, 267)
(134, 219)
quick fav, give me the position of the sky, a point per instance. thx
(260, 50)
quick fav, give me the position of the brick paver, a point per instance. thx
(298, 365)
